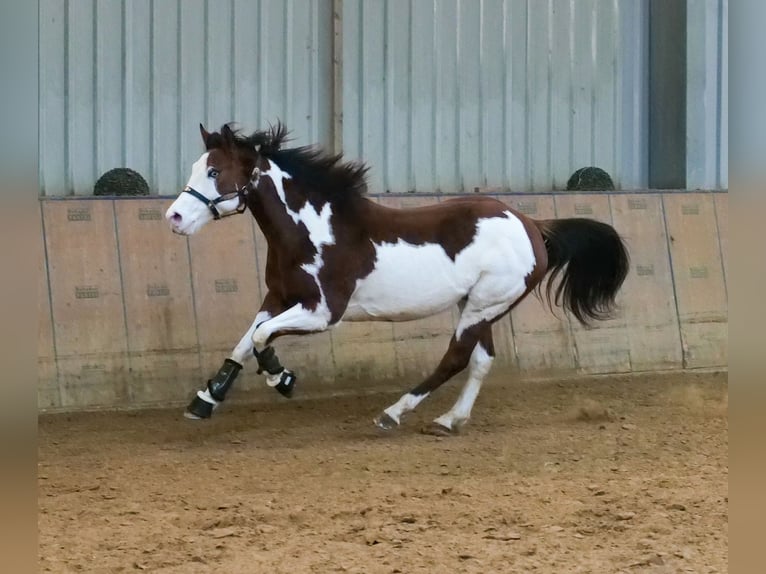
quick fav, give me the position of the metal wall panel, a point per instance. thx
(707, 136)
(647, 299)
(162, 342)
(125, 83)
(448, 95)
(437, 95)
(698, 279)
(87, 303)
(48, 391)
(227, 294)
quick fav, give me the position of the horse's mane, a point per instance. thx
(310, 166)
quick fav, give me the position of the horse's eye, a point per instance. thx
(212, 173)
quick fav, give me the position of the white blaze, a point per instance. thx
(194, 213)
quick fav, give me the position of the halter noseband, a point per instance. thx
(241, 193)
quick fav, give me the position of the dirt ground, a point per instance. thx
(601, 475)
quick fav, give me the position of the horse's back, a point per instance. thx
(452, 219)
(449, 205)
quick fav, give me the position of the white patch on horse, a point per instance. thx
(408, 282)
(504, 252)
(458, 415)
(320, 234)
(296, 318)
(414, 281)
(317, 224)
(404, 405)
(244, 349)
(278, 176)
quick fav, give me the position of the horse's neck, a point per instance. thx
(275, 223)
(288, 230)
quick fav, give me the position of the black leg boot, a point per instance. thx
(201, 408)
(269, 362)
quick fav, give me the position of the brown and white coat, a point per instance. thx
(334, 255)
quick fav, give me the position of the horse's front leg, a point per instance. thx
(297, 320)
(207, 399)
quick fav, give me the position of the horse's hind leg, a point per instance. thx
(488, 300)
(454, 360)
(480, 364)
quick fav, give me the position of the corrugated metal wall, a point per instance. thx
(126, 82)
(707, 101)
(450, 95)
(436, 95)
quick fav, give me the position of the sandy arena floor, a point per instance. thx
(601, 475)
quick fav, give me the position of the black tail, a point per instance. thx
(594, 262)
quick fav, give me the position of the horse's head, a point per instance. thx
(218, 183)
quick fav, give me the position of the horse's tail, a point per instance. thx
(594, 262)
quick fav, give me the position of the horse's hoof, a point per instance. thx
(198, 409)
(435, 429)
(191, 416)
(286, 383)
(385, 421)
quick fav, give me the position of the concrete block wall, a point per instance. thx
(131, 315)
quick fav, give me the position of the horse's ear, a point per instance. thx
(205, 134)
(227, 133)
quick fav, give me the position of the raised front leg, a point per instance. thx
(297, 320)
(206, 400)
(276, 375)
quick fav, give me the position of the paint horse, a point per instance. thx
(334, 255)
